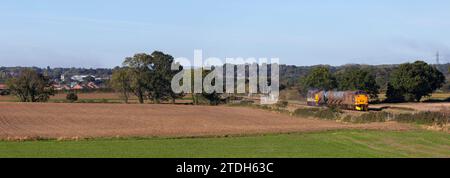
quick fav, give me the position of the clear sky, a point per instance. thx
(100, 33)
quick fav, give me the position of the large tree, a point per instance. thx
(140, 73)
(31, 86)
(394, 95)
(121, 80)
(160, 78)
(415, 80)
(319, 78)
(354, 78)
(151, 76)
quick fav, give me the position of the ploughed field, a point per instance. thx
(68, 121)
(435, 107)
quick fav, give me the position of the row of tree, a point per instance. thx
(408, 82)
(149, 77)
(351, 78)
(31, 86)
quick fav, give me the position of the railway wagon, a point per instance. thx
(353, 100)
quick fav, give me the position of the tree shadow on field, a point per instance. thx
(437, 100)
(391, 107)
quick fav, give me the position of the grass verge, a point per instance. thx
(345, 143)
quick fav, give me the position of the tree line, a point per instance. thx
(407, 82)
(148, 77)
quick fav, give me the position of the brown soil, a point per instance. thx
(416, 106)
(90, 96)
(113, 96)
(54, 120)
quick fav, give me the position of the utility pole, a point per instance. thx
(437, 58)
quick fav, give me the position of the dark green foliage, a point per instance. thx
(353, 78)
(140, 73)
(71, 97)
(394, 95)
(31, 86)
(348, 78)
(369, 117)
(282, 104)
(289, 74)
(427, 118)
(322, 113)
(446, 86)
(415, 80)
(213, 98)
(319, 78)
(151, 76)
(161, 75)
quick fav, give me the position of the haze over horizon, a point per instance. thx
(102, 33)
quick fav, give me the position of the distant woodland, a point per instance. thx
(289, 75)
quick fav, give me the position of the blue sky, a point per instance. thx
(100, 33)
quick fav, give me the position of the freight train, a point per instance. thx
(353, 100)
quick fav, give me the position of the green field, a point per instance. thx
(322, 144)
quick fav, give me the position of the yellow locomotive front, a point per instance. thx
(361, 102)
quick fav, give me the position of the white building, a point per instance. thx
(80, 77)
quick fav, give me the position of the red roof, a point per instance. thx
(92, 85)
(78, 87)
(3, 87)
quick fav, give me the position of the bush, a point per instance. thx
(282, 104)
(306, 112)
(72, 97)
(327, 113)
(369, 117)
(426, 118)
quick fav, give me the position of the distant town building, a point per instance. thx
(92, 85)
(80, 78)
(61, 87)
(72, 84)
(78, 87)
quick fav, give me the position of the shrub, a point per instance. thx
(247, 102)
(282, 104)
(327, 113)
(369, 117)
(31, 86)
(347, 118)
(427, 118)
(72, 97)
(306, 112)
